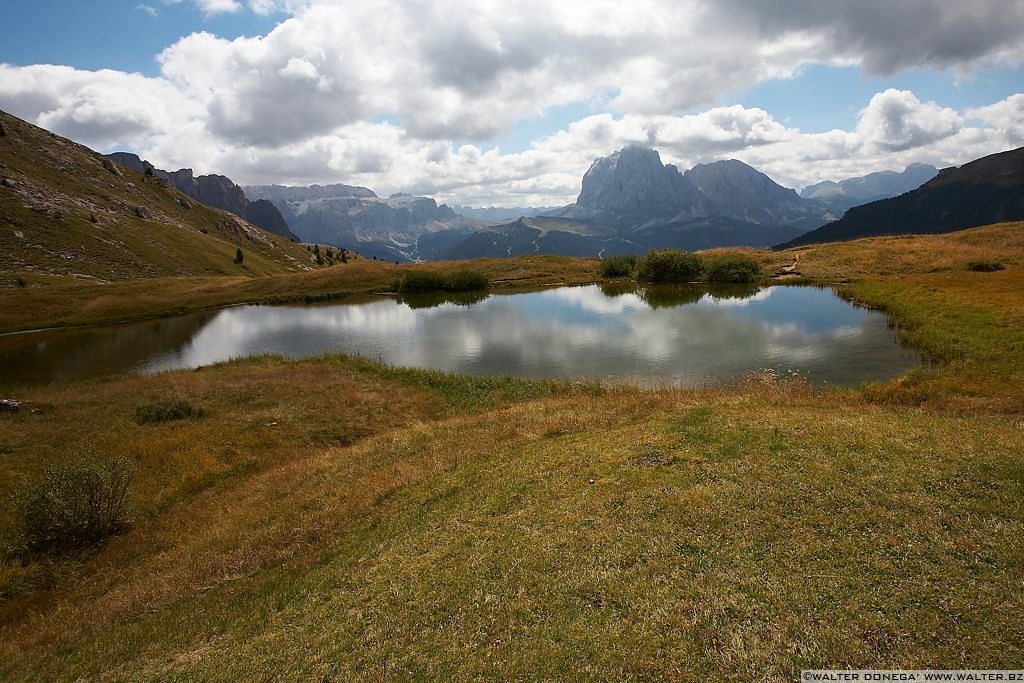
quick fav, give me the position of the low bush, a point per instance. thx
(466, 281)
(618, 266)
(432, 281)
(733, 268)
(985, 266)
(74, 505)
(166, 411)
(421, 281)
(669, 265)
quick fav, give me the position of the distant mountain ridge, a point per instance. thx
(498, 214)
(356, 218)
(631, 202)
(742, 193)
(217, 191)
(988, 190)
(846, 194)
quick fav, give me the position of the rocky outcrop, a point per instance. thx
(111, 167)
(213, 190)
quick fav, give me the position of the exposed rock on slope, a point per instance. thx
(63, 212)
(214, 190)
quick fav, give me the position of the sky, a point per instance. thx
(498, 103)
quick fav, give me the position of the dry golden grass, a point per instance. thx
(64, 303)
(734, 534)
(897, 257)
(335, 519)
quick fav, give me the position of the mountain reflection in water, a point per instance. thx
(651, 335)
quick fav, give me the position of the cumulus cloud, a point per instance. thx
(895, 120)
(99, 108)
(407, 96)
(1007, 116)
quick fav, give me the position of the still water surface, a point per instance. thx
(657, 335)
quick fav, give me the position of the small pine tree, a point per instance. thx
(239, 257)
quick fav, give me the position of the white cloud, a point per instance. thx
(1007, 116)
(405, 96)
(895, 120)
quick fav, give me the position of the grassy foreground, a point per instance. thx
(337, 519)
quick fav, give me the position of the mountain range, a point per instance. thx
(217, 191)
(845, 194)
(988, 190)
(631, 202)
(356, 218)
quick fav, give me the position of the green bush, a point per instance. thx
(669, 265)
(733, 268)
(166, 411)
(985, 266)
(74, 505)
(466, 281)
(421, 281)
(432, 281)
(617, 266)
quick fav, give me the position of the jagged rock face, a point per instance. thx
(213, 190)
(743, 193)
(356, 218)
(632, 187)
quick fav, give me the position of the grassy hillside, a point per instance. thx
(337, 519)
(986, 190)
(62, 213)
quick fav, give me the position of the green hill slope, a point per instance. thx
(64, 212)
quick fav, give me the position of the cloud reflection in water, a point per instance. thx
(654, 336)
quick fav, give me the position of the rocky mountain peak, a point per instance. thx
(632, 186)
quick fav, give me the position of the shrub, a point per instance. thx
(985, 266)
(421, 281)
(466, 281)
(617, 266)
(166, 411)
(74, 505)
(733, 268)
(669, 265)
(239, 256)
(432, 281)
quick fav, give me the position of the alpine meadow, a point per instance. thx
(452, 341)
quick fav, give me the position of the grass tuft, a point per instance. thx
(985, 266)
(167, 411)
